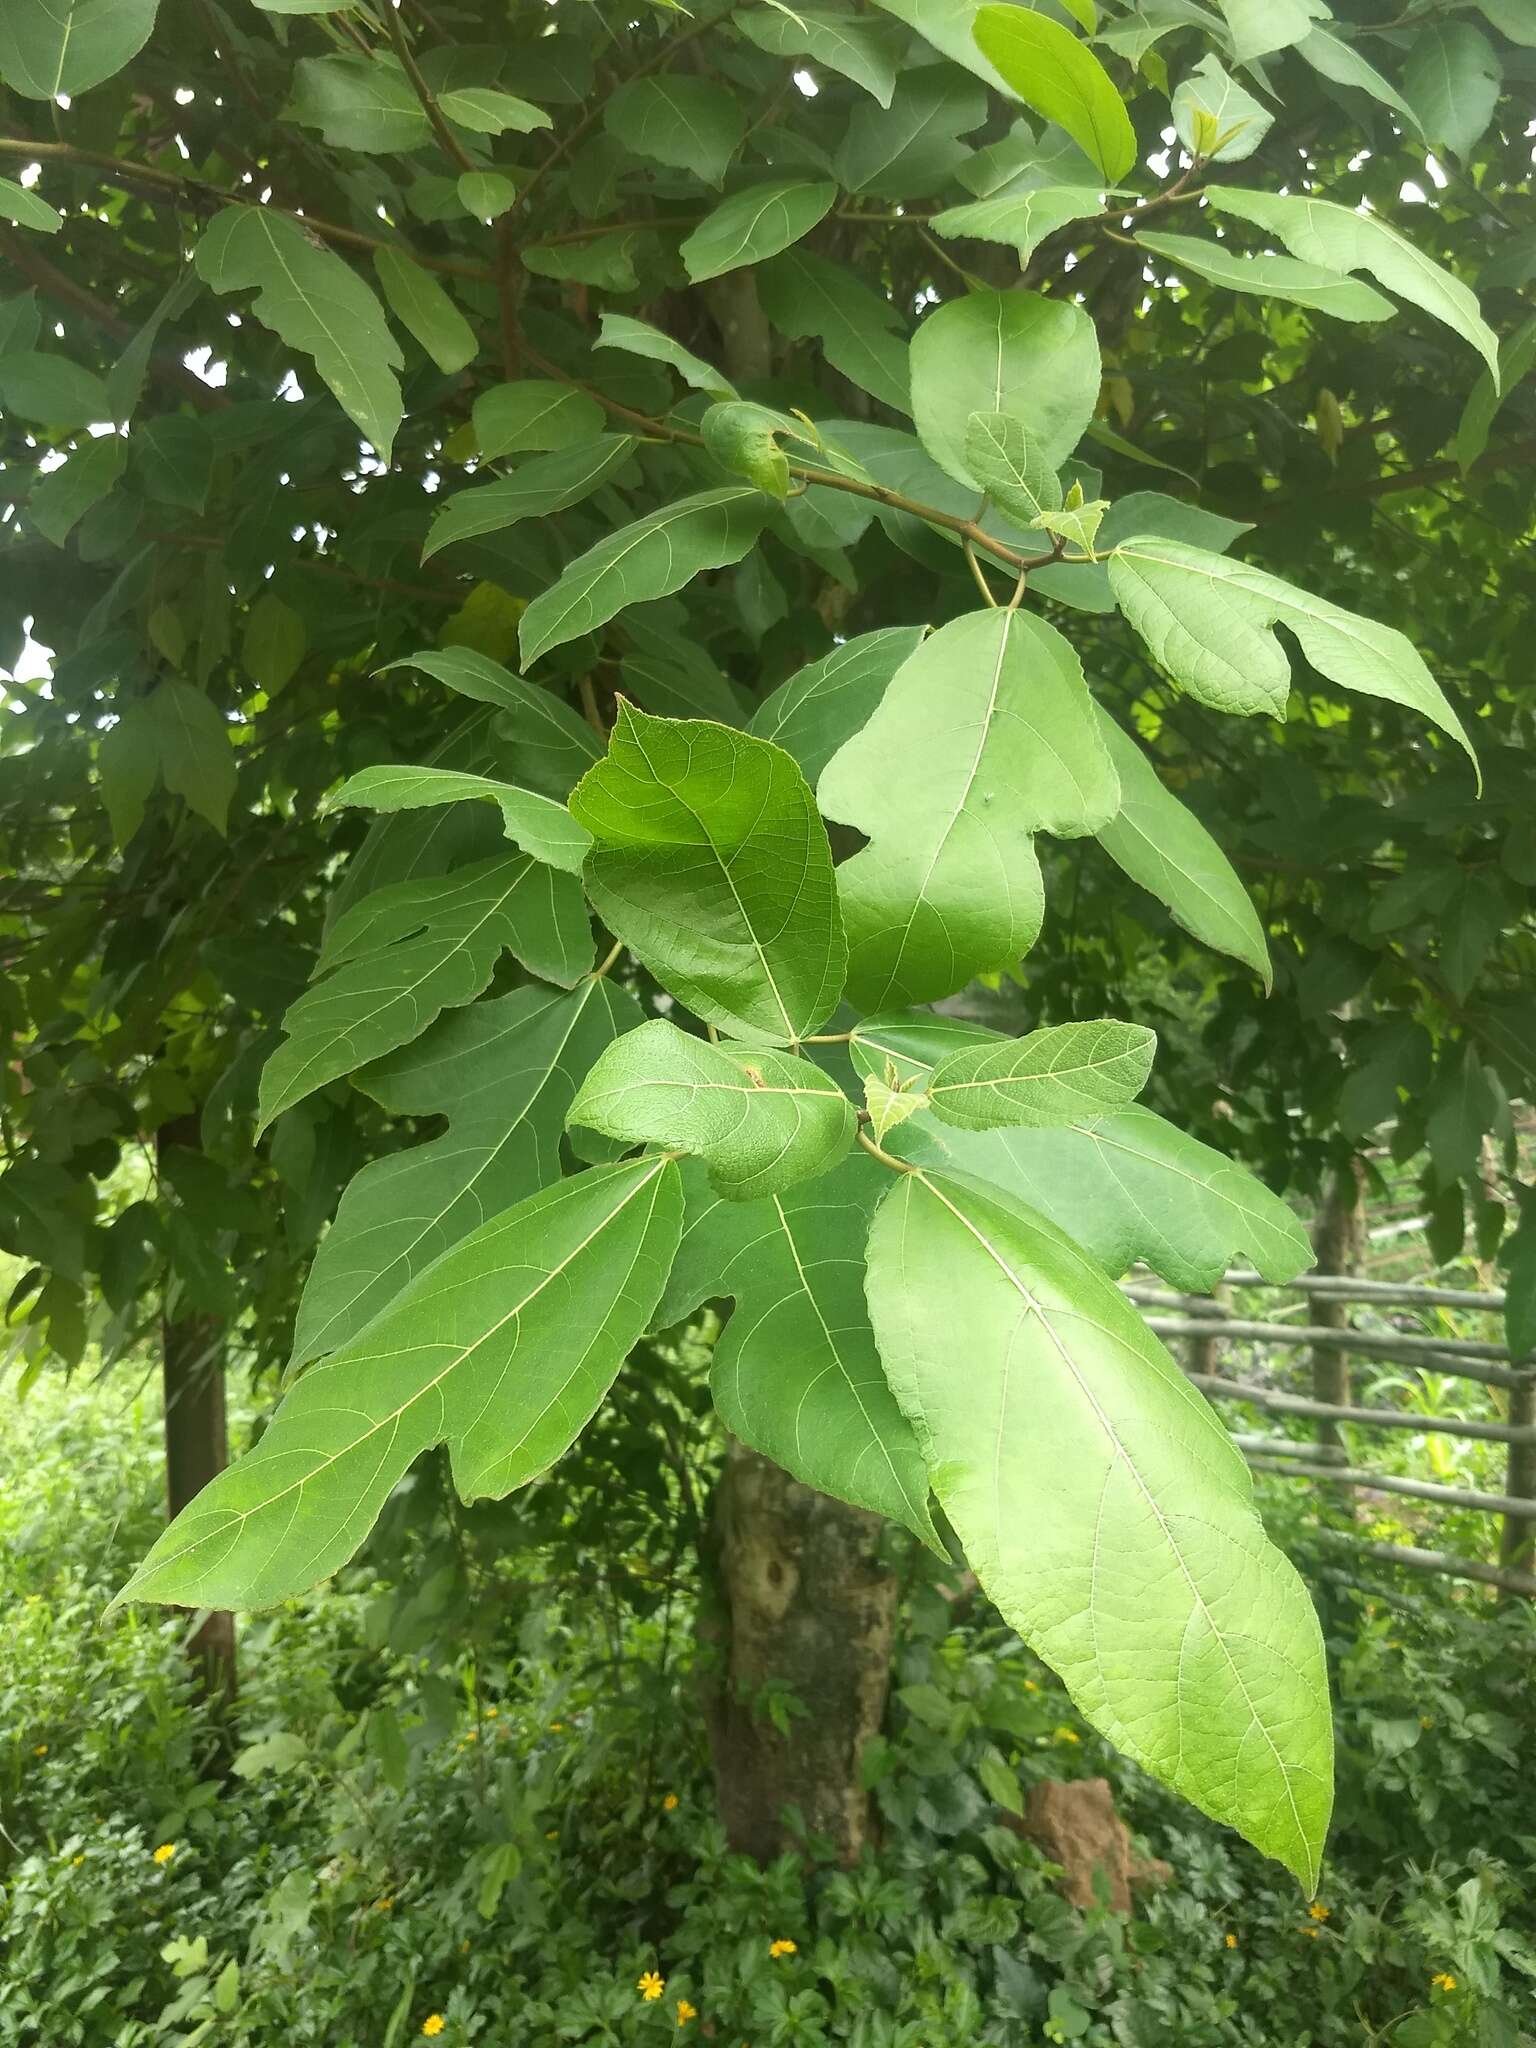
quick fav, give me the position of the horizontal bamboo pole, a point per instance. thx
(1436, 1561)
(1366, 1481)
(1370, 1418)
(1343, 1287)
(1460, 1360)
(1283, 1447)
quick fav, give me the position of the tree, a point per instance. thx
(599, 352)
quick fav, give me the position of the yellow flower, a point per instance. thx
(1443, 1981)
(382, 1905)
(551, 1834)
(165, 1852)
(782, 1948)
(686, 2012)
(1231, 1941)
(40, 1749)
(75, 1862)
(651, 1986)
(1315, 1932)
(472, 1735)
(433, 2024)
(669, 1804)
(556, 1727)
(1319, 1911)
(1030, 1685)
(1426, 1720)
(1065, 1734)
(491, 1713)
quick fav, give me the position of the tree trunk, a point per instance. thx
(196, 1443)
(808, 1608)
(1338, 1238)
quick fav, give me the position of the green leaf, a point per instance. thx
(712, 865)
(552, 748)
(503, 1073)
(1514, 18)
(1000, 1784)
(1520, 1292)
(51, 391)
(274, 644)
(392, 962)
(1060, 77)
(537, 489)
(1273, 277)
(807, 297)
(868, 52)
(914, 147)
(1021, 219)
(1163, 846)
(54, 47)
(177, 733)
(674, 677)
(741, 437)
(1055, 1076)
(27, 209)
(314, 302)
(1033, 358)
(489, 112)
(1215, 118)
(425, 311)
(1517, 352)
(824, 704)
(796, 1375)
(1260, 26)
(535, 823)
(650, 558)
(534, 414)
(949, 885)
(1460, 1109)
(1073, 1439)
(1210, 622)
(486, 195)
(753, 225)
(760, 1120)
(363, 103)
(1336, 238)
(1343, 64)
(949, 25)
(502, 1349)
(1007, 464)
(58, 501)
(693, 124)
(1452, 81)
(639, 338)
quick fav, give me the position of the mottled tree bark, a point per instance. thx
(1338, 1239)
(805, 1605)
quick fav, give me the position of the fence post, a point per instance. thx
(1338, 1238)
(1517, 1541)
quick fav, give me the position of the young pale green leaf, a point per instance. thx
(888, 1103)
(1162, 845)
(548, 484)
(807, 297)
(753, 225)
(1319, 232)
(1077, 525)
(760, 1120)
(314, 302)
(502, 1349)
(534, 415)
(1260, 26)
(487, 111)
(1059, 77)
(58, 501)
(949, 885)
(868, 52)
(914, 147)
(395, 960)
(362, 103)
(650, 558)
(27, 210)
(796, 1374)
(1033, 358)
(1021, 219)
(50, 48)
(1452, 80)
(692, 124)
(486, 195)
(824, 704)
(536, 823)
(1072, 1442)
(1210, 622)
(1009, 467)
(712, 865)
(1215, 118)
(1273, 277)
(1517, 352)
(639, 338)
(552, 748)
(1055, 1076)
(503, 1073)
(425, 310)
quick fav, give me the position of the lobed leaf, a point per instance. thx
(537, 824)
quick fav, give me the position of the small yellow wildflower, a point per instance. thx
(472, 1735)
(382, 1905)
(1315, 1932)
(1319, 1911)
(551, 1834)
(433, 2025)
(464, 1946)
(1065, 1734)
(40, 1749)
(1426, 1720)
(75, 1862)
(165, 1852)
(1442, 1980)
(651, 1986)
(783, 1948)
(686, 2012)
(1030, 1685)
(669, 1804)
(491, 1713)
(1231, 1941)
(557, 1727)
